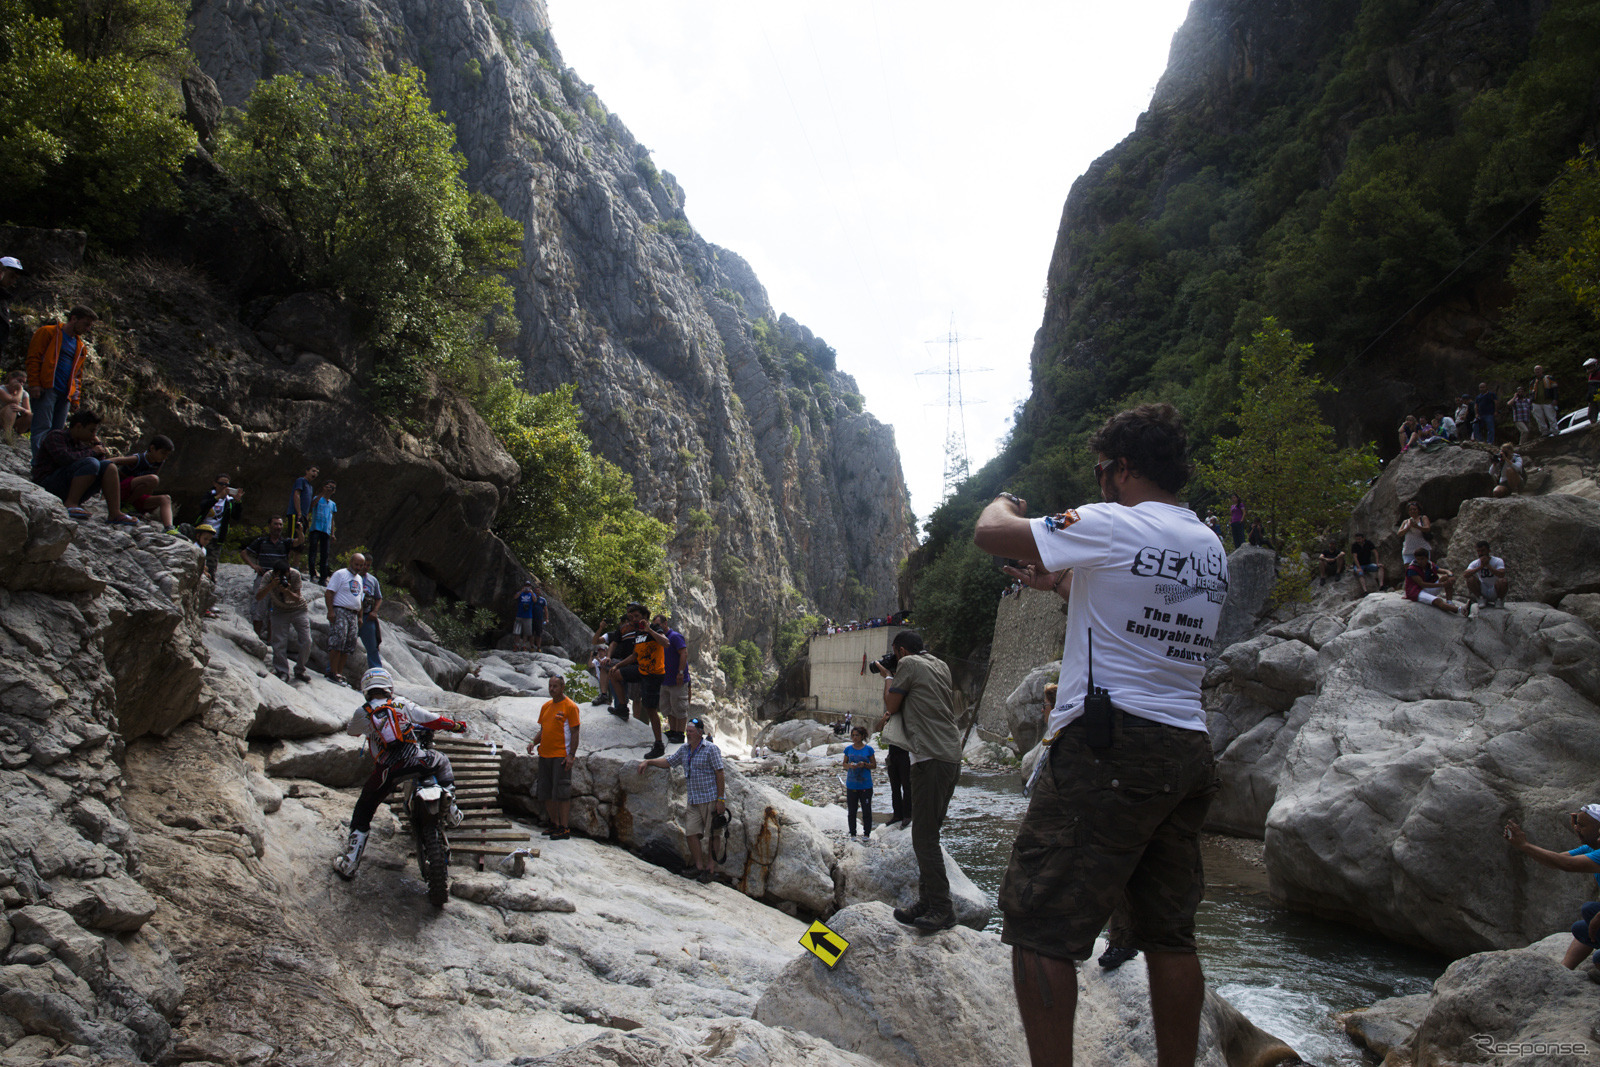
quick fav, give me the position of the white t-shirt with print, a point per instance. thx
(1149, 580)
(347, 587)
(1496, 565)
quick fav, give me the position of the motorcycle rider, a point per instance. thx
(389, 723)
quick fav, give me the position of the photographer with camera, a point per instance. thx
(288, 612)
(919, 718)
(1120, 797)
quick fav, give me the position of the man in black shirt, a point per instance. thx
(1365, 554)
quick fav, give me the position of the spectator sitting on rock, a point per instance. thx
(1507, 467)
(222, 503)
(1489, 571)
(1444, 425)
(73, 465)
(1585, 859)
(16, 410)
(55, 370)
(140, 477)
(1522, 415)
(1409, 433)
(289, 612)
(702, 766)
(1414, 531)
(556, 741)
(1366, 562)
(1258, 534)
(297, 520)
(859, 760)
(262, 556)
(321, 536)
(1330, 564)
(1427, 584)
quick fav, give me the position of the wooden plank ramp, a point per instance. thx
(484, 831)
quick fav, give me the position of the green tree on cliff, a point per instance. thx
(1556, 316)
(91, 131)
(1283, 461)
(573, 517)
(366, 184)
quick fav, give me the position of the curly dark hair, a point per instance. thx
(1152, 440)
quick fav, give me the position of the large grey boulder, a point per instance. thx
(1440, 482)
(795, 734)
(1426, 732)
(1520, 1005)
(1551, 544)
(1026, 714)
(1252, 572)
(885, 870)
(774, 850)
(898, 997)
(338, 761)
(728, 1042)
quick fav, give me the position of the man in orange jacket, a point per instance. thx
(55, 364)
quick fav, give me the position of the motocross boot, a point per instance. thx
(452, 814)
(347, 863)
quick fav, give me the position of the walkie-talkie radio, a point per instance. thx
(1096, 708)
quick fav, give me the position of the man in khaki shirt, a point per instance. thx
(918, 717)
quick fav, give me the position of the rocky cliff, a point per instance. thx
(736, 427)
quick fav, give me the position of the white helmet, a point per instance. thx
(377, 678)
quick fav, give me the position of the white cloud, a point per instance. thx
(884, 165)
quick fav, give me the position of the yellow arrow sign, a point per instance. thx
(826, 945)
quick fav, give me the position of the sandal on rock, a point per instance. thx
(78, 513)
(122, 520)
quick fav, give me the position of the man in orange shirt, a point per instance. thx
(557, 743)
(55, 367)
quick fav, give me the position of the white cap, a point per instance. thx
(11, 261)
(1591, 810)
(1590, 362)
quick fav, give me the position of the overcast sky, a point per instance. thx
(887, 167)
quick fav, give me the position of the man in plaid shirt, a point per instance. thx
(1522, 415)
(702, 765)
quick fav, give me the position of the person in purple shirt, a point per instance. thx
(675, 689)
(1236, 521)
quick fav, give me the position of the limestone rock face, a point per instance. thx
(1372, 746)
(885, 870)
(1251, 573)
(1440, 482)
(1518, 1003)
(732, 421)
(1551, 543)
(898, 997)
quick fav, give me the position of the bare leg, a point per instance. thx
(562, 811)
(653, 717)
(1047, 999)
(1474, 589)
(1575, 955)
(1177, 991)
(694, 853)
(79, 486)
(111, 489)
(164, 506)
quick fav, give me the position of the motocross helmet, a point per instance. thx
(376, 678)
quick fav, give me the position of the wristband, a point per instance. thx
(1057, 587)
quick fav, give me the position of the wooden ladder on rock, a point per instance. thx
(484, 830)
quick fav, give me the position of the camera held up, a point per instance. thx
(885, 664)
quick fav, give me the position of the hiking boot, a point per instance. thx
(347, 863)
(705, 876)
(931, 922)
(909, 916)
(675, 737)
(657, 750)
(1116, 956)
(452, 814)
(597, 701)
(621, 713)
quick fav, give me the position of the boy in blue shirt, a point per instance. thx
(859, 760)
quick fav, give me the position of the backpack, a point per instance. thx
(391, 723)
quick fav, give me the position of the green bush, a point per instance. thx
(792, 639)
(365, 183)
(731, 570)
(741, 663)
(461, 627)
(90, 126)
(573, 516)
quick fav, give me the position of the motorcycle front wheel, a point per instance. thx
(433, 856)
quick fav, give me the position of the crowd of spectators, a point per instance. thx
(643, 661)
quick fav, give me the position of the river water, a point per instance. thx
(1288, 972)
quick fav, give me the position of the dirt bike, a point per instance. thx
(427, 806)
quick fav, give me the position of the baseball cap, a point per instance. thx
(11, 261)
(205, 527)
(1590, 362)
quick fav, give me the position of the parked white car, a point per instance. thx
(1572, 422)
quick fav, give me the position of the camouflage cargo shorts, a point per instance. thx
(1104, 822)
(344, 630)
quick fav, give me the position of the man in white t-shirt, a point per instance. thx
(343, 596)
(1120, 797)
(1486, 577)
